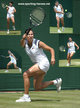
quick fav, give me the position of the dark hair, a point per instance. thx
(28, 30)
(11, 2)
(56, 1)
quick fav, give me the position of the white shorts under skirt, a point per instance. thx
(71, 51)
(44, 65)
(59, 15)
(14, 61)
(10, 15)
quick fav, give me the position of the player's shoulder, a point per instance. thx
(36, 41)
(13, 7)
(73, 41)
(54, 7)
(60, 5)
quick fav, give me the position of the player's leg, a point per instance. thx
(26, 76)
(13, 21)
(39, 84)
(71, 54)
(16, 67)
(8, 66)
(58, 21)
(68, 59)
(62, 22)
(8, 22)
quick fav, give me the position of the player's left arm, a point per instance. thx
(62, 8)
(76, 46)
(14, 11)
(48, 48)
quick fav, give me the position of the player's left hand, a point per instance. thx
(53, 61)
(77, 48)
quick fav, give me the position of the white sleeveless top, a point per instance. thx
(72, 46)
(35, 53)
(11, 9)
(58, 8)
(12, 58)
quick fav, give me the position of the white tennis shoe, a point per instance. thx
(19, 69)
(7, 31)
(24, 99)
(14, 28)
(59, 31)
(6, 71)
(63, 29)
(68, 64)
(58, 85)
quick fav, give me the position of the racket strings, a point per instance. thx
(37, 16)
(35, 20)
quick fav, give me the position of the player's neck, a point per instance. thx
(30, 44)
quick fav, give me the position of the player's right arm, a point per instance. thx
(7, 8)
(22, 42)
(68, 45)
(7, 56)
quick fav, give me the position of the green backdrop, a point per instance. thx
(70, 76)
(76, 16)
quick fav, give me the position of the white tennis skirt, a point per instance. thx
(44, 65)
(71, 51)
(10, 15)
(59, 15)
(13, 61)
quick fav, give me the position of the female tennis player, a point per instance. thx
(58, 9)
(34, 49)
(12, 61)
(10, 15)
(71, 50)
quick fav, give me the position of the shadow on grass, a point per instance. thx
(37, 100)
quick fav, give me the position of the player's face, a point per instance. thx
(8, 52)
(10, 4)
(30, 36)
(56, 3)
(70, 39)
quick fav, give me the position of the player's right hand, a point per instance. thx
(62, 12)
(24, 36)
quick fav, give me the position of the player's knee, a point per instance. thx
(26, 73)
(7, 64)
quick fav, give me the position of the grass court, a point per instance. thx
(11, 33)
(10, 71)
(74, 63)
(66, 30)
(42, 99)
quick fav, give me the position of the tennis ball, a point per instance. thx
(65, 10)
(64, 50)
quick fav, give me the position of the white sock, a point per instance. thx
(54, 82)
(8, 30)
(26, 95)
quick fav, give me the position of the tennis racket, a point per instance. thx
(3, 56)
(68, 14)
(37, 16)
(4, 5)
(62, 48)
